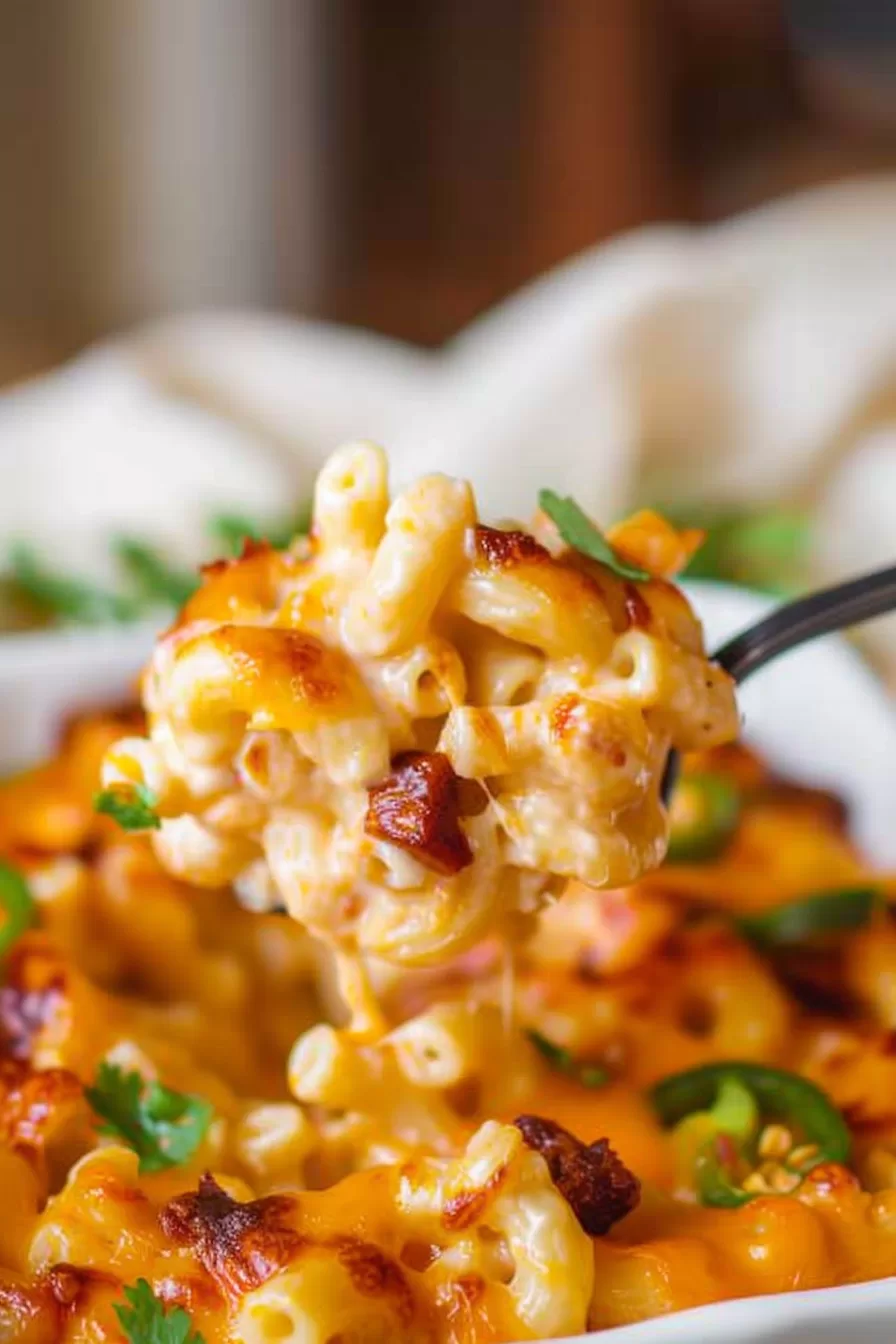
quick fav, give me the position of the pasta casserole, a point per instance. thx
(358, 1006)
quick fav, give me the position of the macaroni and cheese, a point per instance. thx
(436, 1104)
(487, 1160)
(413, 729)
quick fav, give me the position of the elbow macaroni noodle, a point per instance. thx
(428, 1090)
(295, 683)
(392, 1156)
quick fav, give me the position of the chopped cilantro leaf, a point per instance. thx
(145, 1321)
(131, 805)
(163, 1127)
(561, 1059)
(578, 531)
(17, 907)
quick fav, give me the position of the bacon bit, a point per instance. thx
(504, 550)
(417, 808)
(596, 1184)
(31, 997)
(637, 609)
(240, 1245)
(374, 1274)
(33, 1101)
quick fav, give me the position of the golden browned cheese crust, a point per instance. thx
(240, 1245)
(433, 1177)
(311, 710)
(360, 1044)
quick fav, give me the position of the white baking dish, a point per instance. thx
(818, 714)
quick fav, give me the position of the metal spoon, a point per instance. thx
(796, 623)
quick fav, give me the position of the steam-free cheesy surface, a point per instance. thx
(423, 1183)
(426, 1107)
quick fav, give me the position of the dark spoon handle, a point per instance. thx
(819, 614)
(796, 623)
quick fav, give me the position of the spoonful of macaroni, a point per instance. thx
(412, 729)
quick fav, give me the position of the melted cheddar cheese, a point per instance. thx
(420, 1108)
(409, 1186)
(411, 729)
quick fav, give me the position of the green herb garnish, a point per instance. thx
(762, 549)
(67, 599)
(32, 593)
(152, 576)
(17, 908)
(162, 1126)
(131, 805)
(561, 1059)
(232, 530)
(145, 1321)
(578, 531)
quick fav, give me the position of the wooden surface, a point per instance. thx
(456, 149)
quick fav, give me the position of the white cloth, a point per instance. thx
(750, 361)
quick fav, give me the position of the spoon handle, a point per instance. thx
(818, 614)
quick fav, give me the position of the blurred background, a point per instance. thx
(402, 167)
(402, 164)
